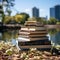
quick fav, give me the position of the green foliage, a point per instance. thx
(32, 19)
(52, 31)
(8, 34)
(44, 21)
(24, 18)
(52, 21)
(3, 17)
(58, 30)
(58, 23)
(10, 3)
(6, 19)
(19, 18)
(38, 19)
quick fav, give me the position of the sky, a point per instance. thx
(27, 5)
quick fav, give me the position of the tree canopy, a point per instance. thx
(24, 18)
(18, 18)
(52, 21)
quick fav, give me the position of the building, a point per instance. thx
(52, 12)
(35, 12)
(55, 12)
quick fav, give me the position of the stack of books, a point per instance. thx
(33, 35)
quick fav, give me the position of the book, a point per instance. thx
(38, 42)
(30, 35)
(30, 39)
(36, 28)
(29, 23)
(36, 46)
(27, 36)
(41, 31)
(33, 35)
(33, 28)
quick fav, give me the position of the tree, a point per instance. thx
(8, 5)
(42, 20)
(52, 21)
(32, 19)
(9, 19)
(18, 18)
(6, 19)
(52, 31)
(9, 12)
(24, 18)
(58, 23)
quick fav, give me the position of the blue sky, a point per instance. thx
(27, 5)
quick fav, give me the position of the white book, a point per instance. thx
(36, 28)
(24, 28)
(24, 33)
(30, 39)
(33, 28)
(22, 39)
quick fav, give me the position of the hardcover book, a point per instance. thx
(33, 35)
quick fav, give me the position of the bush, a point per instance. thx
(58, 23)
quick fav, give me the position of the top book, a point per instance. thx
(33, 23)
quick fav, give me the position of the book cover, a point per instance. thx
(32, 35)
(33, 28)
(30, 39)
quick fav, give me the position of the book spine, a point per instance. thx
(37, 46)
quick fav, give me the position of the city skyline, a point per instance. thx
(35, 12)
(55, 12)
(27, 5)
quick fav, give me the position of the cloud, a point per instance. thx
(27, 10)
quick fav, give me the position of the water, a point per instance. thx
(11, 35)
(55, 36)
